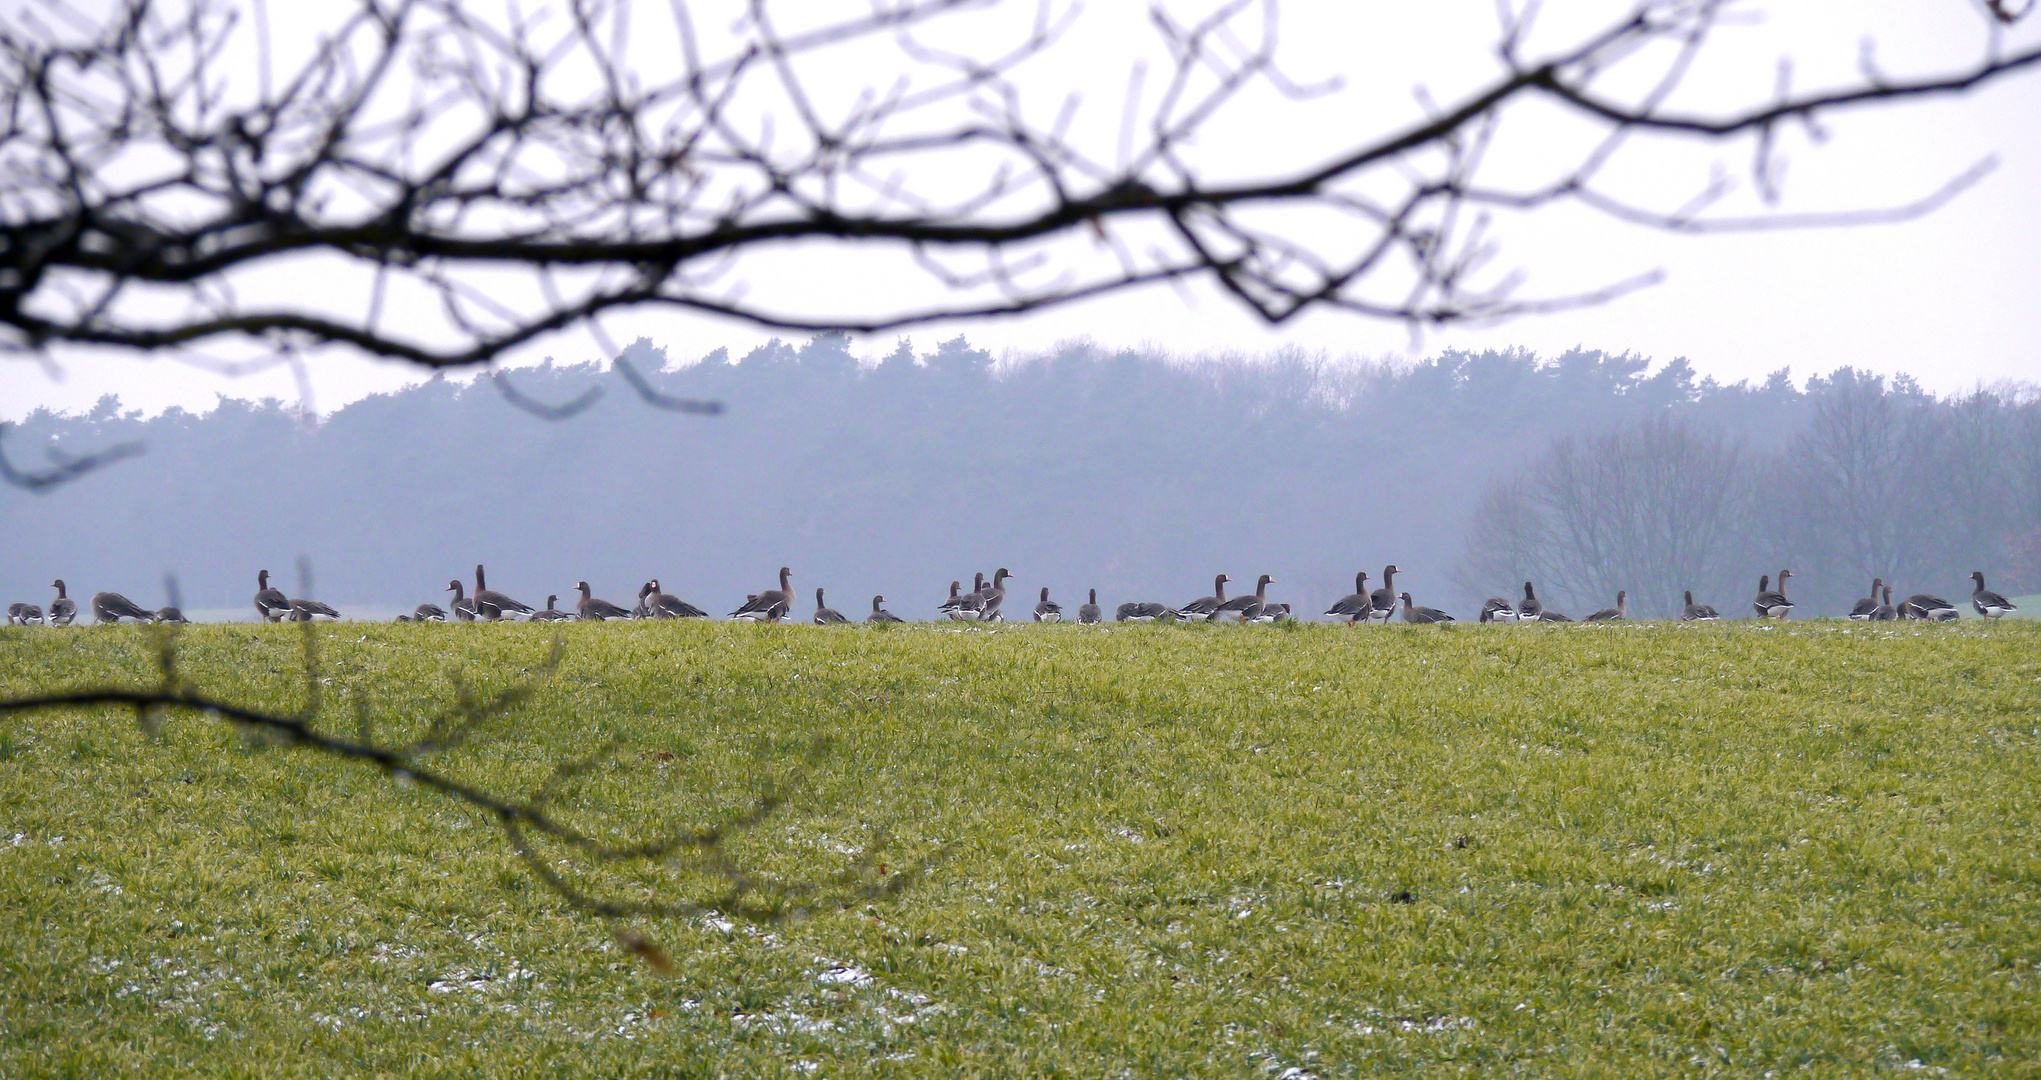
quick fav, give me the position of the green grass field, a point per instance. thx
(1640, 850)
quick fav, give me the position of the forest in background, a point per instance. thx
(1140, 475)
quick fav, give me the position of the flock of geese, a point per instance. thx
(986, 603)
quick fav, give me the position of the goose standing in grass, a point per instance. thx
(1245, 607)
(1619, 613)
(1988, 604)
(880, 614)
(664, 605)
(1383, 600)
(63, 609)
(171, 614)
(551, 612)
(1885, 612)
(463, 607)
(1496, 609)
(988, 610)
(112, 607)
(1048, 610)
(590, 608)
(1423, 616)
(1143, 611)
(1771, 603)
(24, 615)
(270, 602)
(1697, 612)
(428, 613)
(1355, 606)
(1204, 606)
(1863, 608)
(826, 615)
(954, 603)
(771, 605)
(1930, 607)
(964, 607)
(492, 605)
(1530, 608)
(1088, 612)
(307, 610)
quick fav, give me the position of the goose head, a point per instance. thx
(999, 577)
(1263, 582)
(1528, 594)
(262, 579)
(786, 577)
(1094, 597)
(59, 586)
(586, 592)
(818, 597)
(1045, 594)
(1764, 583)
(453, 587)
(1783, 575)
(1978, 576)
(480, 584)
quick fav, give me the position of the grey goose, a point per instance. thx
(428, 613)
(1383, 599)
(492, 605)
(24, 615)
(270, 602)
(880, 614)
(1530, 608)
(1549, 615)
(463, 608)
(1771, 603)
(826, 615)
(591, 609)
(1885, 612)
(112, 607)
(1496, 609)
(1988, 604)
(995, 598)
(1355, 606)
(1863, 608)
(1268, 614)
(63, 609)
(551, 612)
(309, 610)
(643, 610)
(1143, 611)
(1619, 613)
(1423, 616)
(1204, 606)
(1930, 607)
(954, 603)
(171, 614)
(1048, 610)
(771, 605)
(1088, 612)
(1697, 612)
(664, 605)
(1245, 607)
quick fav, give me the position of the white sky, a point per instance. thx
(1951, 299)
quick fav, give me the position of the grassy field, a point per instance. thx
(1628, 851)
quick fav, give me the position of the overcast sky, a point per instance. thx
(1950, 299)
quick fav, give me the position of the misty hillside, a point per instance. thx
(1133, 474)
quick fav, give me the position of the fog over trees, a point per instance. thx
(1136, 474)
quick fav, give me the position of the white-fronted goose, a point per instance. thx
(1143, 611)
(1354, 606)
(1245, 607)
(953, 603)
(1697, 612)
(771, 605)
(171, 615)
(493, 605)
(270, 602)
(1496, 609)
(643, 610)
(307, 610)
(428, 613)
(1549, 615)
(1771, 603)
(972, 603)
(1530, 608)
(112, 607)
(826, 615)
(995, 598)
(880, 614)
(1384, 598)
(1862, 610)
(1988, 604)
(1048, 610)
(665, 605)
(1618, 613)
(1088, 612)
(1269, 613)
(1423, 616)
(463, 607)
(591, 609)
(63, 609)
(1930, 607)
(1204, 606)
(551, 612)
(24, 615)
(1885, 612)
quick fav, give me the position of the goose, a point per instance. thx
(826, 615)
(1863, 608)
(112, 607)
(491, 604)
(591, 609)
(1423, 616)
(270, 603)
(665, 605)
(463, 608)
(988, 609)
(643, 610)
(1988, 604)
(1088, 612)
(1355, 606)
(1530, 608)
(1269, 613)
(306, 610)
(1384, 598)
(1496, 609)
(552, 613)
(954, 602)
(1885, 612)
(881, 615)
(1930, 607)
(972, 603)
(1549, 615)
(1204, 606)
(1771, 603)
(1048, 610)
(1697, 612)
(428, 613)
(171, 615)
(1245, 606)
(1143, 611)
(1619, 613)
(63, 609)
(24, 615)
(771, 605)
